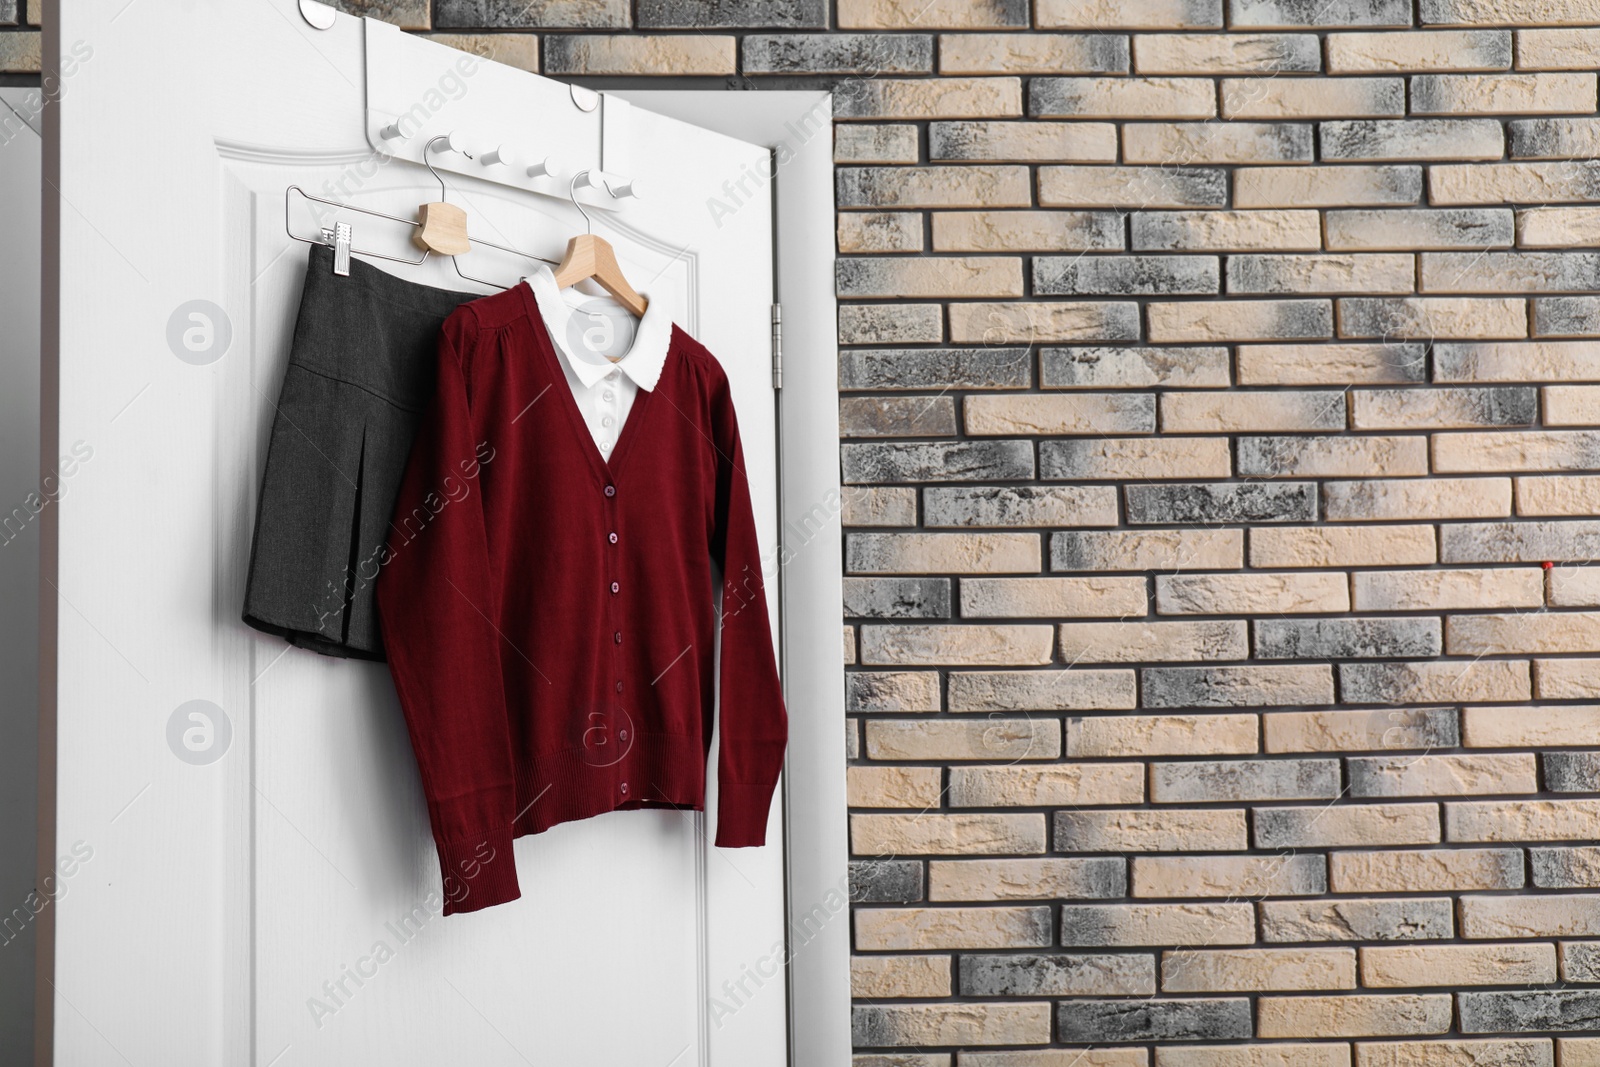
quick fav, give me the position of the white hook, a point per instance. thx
(498, 155)
(542, 167)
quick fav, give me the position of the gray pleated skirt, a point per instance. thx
(361, 371)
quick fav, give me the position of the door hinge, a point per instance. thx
(777, 346)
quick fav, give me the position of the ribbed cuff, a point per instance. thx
(479, 872)
(742, 814)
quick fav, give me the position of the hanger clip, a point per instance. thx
(339, 237)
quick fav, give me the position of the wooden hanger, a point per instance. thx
(592, 257)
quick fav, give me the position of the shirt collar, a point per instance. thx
(645, 358)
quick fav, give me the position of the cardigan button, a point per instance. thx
(616, 587)
(611, 490)
(617, 637)
(624, 788)
(612, 537)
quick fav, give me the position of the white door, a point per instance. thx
(260, 893)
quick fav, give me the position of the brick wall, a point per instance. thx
(1216, 392)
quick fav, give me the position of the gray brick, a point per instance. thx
(1189, 1019)
(838, 53)
(1057, 975)
(1567, 316)
(940, 461)
(891, 691)
(1565, 868)
(888, 324)
(936, 368)
(885, 881)
(1580, 961)
(1130, 367)
(1244, 686)
(1140, 187)
(1310, 14)
(1387, 919)
(1518, 1010)
(1020, 505)
(530, 14)
(1572, 772)
(1239, 502)
(1244, 780)
(1339, 455)
(897, 416)
(1554, 138)
(1347, 638)
(897, 598)
(1380, 139)
(947, 185)
(1519, 542)
(1125, 275)
(715, 14)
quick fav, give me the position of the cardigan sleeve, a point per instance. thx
(753, 724)
(436, 603)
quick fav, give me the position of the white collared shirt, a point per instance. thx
(607, 354)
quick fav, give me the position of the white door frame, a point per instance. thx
(798, 125)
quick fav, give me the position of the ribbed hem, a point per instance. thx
(742, 814)
(656, 770)
(479, 872)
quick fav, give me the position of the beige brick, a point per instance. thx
(1158, 924)
(1423, 318)
(1418, 498)
(1047, 142)
(1278, 1054)
(1435, 681)
(1417, 50)
(1529, 727)
(1445, 590)
(921, 15)
(955, 739)
(1425, 409)
(1354, 1015)
(1151, 830)
(1216, 143)
(1571, 405)
(953, 1024)
(1555, 361)
(1573, 586)
(1233, 412)
(1392, 966)
(1336, 364)
(1065, 413)
(879, 231)
(878, 505)
(911, 928)
(1137, 458)
(900, 976)
(1146, 641)
(1312, 98)
(1027, 879)
(1558, 227)
(928, 276)
(1524, 915)
(892, 787)
(1257, 970)
(1566, 679)
(1092, 597)
(1335, 186)
(1293, 592)
(1346, 825)
(1557, 49)
(1521, 820)
(678, 54)
(934, 645)
(932, 98)
(1018, 231)
(1106, 367)
(1059, 785)
(1226, 231)
(1494, 1052)
(946, 834)
(1382, 273)
(1229, 876)
(1342, 546)
(1442, 775)
(1492, 635)
(959, 553)
(1217, 53)
(1431, 870)
(1147, 550)
(1358, 731)
(1030, 53)
(520, 50)
(849, 645)
(892, 691)
(1504, 183)
(1578, 1051)
(1378, 229)
(1122, 98)
(1025, 322)
(885, 143)
(973, 185)
(1161, 735)
(1239, 320)
(1035, 691)
(1502, 94)
(1058, 1057)
(1132, 187)
(1127, 14)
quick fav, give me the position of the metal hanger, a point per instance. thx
(592, 257)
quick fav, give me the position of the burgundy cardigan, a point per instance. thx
(549, 616)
